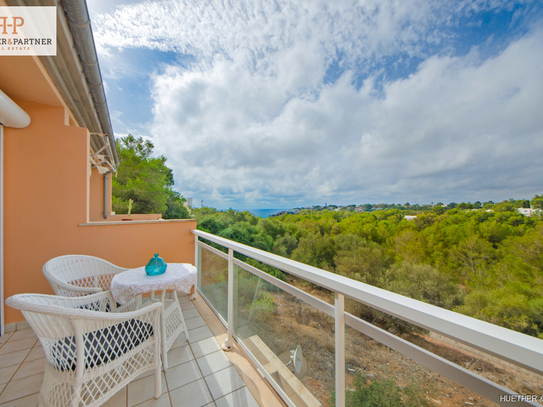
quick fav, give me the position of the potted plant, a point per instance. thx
(130, 202)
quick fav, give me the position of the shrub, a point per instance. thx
(381, 392)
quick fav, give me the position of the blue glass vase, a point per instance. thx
(155, 266)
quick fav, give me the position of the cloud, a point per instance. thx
(251, 118)
(449, 130)
(360, 30)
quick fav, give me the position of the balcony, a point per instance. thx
(199, 374)
(455, 360)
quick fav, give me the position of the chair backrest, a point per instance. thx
(51, 317)
(76, 275)
(57, 321)
(90, 354)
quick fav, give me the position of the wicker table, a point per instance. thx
(178, 277)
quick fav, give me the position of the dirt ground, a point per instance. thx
(295, 322)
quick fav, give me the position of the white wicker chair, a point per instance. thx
(77, 275)
(90, 354)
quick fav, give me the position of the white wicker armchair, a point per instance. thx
(90, 354)
(75, 275)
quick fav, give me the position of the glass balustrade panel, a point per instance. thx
(271, 323)
(374, 369)
(293, 341)
(213, 280)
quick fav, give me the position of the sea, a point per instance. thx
(264, 213)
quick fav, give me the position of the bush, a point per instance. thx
(381, 392)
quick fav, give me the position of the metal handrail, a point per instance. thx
(517, 348)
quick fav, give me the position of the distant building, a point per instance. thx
(410, 217)
(528, 211)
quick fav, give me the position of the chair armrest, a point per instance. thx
(75, 288)
(73, 307)
(113, 269)
(156, 307)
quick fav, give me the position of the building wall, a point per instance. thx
(49, 195)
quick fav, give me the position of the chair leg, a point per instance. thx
(158, 381)
(165, 358)
(77, 393)
(158, 365)
(186, 331)
(164, 341)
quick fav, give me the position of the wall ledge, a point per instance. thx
(136, 222)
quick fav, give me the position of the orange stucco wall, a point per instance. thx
(49, 194)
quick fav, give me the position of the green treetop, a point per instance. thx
(146, 180)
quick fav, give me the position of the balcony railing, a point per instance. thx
(269, 317)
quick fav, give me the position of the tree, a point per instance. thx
(175, 206)
(359, 259)
(410, 246)
(537, 202)
(146, 180)
(464, 205)
(474, 256)
(316, 250)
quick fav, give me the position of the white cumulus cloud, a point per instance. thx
(248, 115)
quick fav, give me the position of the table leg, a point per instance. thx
(164, 339)
(192, 295)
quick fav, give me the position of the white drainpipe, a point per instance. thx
(11, 115)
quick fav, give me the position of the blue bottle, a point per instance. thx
(155, 266)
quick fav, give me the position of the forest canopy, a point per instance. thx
(146, 180)
(484, 261)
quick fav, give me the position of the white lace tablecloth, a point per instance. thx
(131, 283)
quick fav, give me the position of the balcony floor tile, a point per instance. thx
(224, 382)
(179, 355)
(28, 401)
(241, 397)
(213, 363)
(182, 374)
(195, 394)
(16, 389)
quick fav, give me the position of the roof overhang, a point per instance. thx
(75, 71)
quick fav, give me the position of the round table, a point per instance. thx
(178, 277)
(131, 283)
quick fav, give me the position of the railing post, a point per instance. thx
(340, 349)
(228, 342)
(198, 267)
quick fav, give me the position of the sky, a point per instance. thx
(284, 104)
